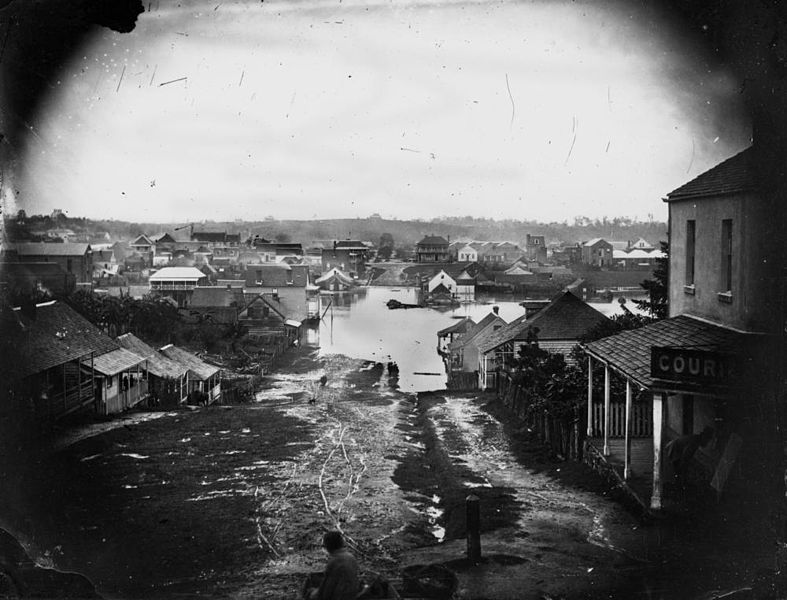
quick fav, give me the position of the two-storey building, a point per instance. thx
(714, 362)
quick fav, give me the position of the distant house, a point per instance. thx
(349, 256)
(558, 327)
(276, 275)
(441, 279)
(177, 283)
(498, 253)
(278, 313)
(335, 280)
(465, 287)
(167, 380)
(203, 378)
(217, 304)
(567, 255)
(535, 248)
(145, 247)
(597, 252)
(464, 351)
(467, 254)
(73, 258)
(432, 248)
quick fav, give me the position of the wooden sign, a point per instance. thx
(689, 365)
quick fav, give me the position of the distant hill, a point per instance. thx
(405, 233)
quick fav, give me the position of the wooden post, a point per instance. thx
(627, 460)
(473, 529)
(590, 397)
(659, 406)
(606, 409)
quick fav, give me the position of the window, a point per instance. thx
(726, 255)
(691, 232)
(69, 265)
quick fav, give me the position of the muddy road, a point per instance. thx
(231, 501)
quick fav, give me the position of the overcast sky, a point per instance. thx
(509, 109)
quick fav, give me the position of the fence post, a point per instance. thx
(473, 529)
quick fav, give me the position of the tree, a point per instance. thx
(657, 304)
(385, 247)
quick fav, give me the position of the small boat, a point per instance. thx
(392, 304)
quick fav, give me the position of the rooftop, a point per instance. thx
(158, 364)
(58, 334)
(736, 174)
(116, 361)
(199, 368)
(53, 249)
(565, 318)
(629, 351)
(174, 273)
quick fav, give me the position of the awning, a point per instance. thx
(629, 352)
(116, 361)
(292, 323)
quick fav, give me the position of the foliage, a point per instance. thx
(149, 318)
(657, 304)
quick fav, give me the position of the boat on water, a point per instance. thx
(393, 303)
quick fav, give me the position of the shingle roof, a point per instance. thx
(565, 318)
(460, 326)
(629, 351)
(116, 361)
(59, 334)
(158, 364)
(595, 241)
(197, 368)
(736, 174)
(52, 249)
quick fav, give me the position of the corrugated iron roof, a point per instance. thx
(433, 240)
(116, 361)
(736, 174)
(173, 273)
(629, 351)
(157, 364)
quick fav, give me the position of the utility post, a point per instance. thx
(473, 529)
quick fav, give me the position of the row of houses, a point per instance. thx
(66, 364)
(715, 364)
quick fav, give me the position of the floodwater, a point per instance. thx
(360, 325)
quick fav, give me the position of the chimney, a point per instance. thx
(496, 310)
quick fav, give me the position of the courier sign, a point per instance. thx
(682, 364)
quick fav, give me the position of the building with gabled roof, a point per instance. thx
(463, 351)
(177, 283)
(597, 252)
(71, 365)
(204, 379)
(448, 334)
(432, 248)
(73, 258)
(558, 327)
(710, 364)
(167, 379)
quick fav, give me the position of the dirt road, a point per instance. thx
(232, 501)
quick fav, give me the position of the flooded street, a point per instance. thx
(231, 501)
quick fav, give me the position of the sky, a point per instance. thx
(221, 110)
